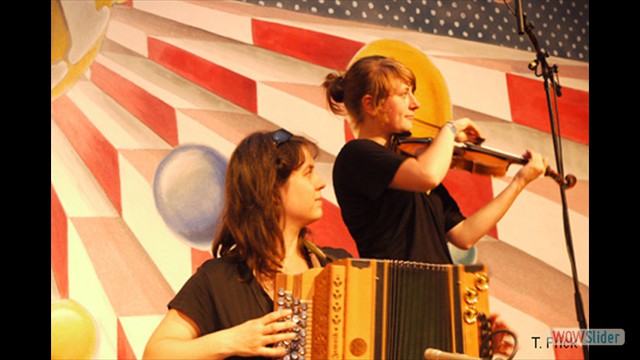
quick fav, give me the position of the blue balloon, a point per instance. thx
(188, 190)
(463, 257)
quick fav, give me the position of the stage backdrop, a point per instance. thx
(149, 99)
(563, 26)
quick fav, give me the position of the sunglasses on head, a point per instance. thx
(281, 136)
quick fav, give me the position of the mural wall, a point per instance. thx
(562, 25)
(149, 99)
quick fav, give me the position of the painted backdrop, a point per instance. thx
(149, 99)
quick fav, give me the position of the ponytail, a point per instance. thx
(334, 92)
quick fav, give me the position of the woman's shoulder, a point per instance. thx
(361, 144)
(356, 149)
(218, 268)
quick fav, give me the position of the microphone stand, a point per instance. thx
(553, 88)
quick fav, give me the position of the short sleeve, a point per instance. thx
(451, 210)
(195, 300)
(365, 167)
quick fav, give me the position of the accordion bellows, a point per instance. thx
(385, 309)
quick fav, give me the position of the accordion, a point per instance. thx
(385, 309)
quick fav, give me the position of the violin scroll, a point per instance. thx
(568, 181)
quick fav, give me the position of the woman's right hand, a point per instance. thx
(255, 337)
(467, 131)
(178, 337)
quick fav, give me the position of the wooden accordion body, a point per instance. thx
(385, 309)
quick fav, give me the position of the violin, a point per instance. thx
(475, 158)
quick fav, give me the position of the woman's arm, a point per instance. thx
(427, 170)
(468, 232)
(177, 337)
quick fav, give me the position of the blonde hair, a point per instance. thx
(372, 75)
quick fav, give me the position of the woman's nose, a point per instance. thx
(415, 104)
(320, 184)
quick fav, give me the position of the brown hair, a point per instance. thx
(372, 75)
(250, 228)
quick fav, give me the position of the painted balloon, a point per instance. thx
(73, 331)
(77, 31)
(463, 257)
(189, 193)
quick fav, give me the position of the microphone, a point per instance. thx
(519, 16)
(435, 354)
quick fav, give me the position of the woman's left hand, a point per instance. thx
(534, 168)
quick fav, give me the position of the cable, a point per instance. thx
(485, 342)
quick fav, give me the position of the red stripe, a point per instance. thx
(124, 347)
(59, 246)
(529, 107)
(471, 192)
(568, 353)
(232, 86)
(197, 258)
(94, 149)
(331, 231)
(311, 46)
(348, 134)
(155, 113)
(130, 279)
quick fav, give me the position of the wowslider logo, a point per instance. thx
(564, 337)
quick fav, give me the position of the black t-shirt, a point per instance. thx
(387, 223)
(215, 298)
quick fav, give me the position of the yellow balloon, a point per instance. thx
(73, 331)
(431, 89)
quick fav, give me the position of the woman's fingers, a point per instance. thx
(277, 327)
(276, 315)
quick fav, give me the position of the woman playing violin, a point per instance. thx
(394, 205)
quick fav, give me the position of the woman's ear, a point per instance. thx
(368, 105)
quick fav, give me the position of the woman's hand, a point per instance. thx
(467, 131)
(503, 342)
(255, 337)
(178, 337)
(533, 169)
